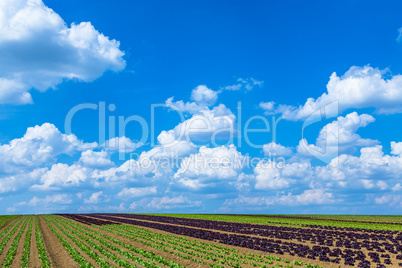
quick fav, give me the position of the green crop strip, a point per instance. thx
(99, 237)
(9, 235)
(43, 257)
(220, 255)
(87, 250)
(8, 228)
(164, 244)
(158, 245)
(77, 257)
(14, 245)
(27, 245)
(105, 252)
(146, 234)
(73, 252)
(5, 219)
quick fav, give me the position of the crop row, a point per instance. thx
(43, 257)
(190, 248)
(100, 237)
(323, 253)
(6, 219)
(9, 235)
(313, 222)
(18, 228)
(75, 236)
(266, 245)
(329, 219)
(75, 254)
(185, 220)
(197, 252)
(14, 245)
(27, 244)
(98, 241)
(389, 242)
(359, 218)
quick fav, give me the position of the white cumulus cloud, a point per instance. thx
(100, 160)
(137, 192)
(359, 87)
(39, 50)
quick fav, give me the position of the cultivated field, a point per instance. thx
(183, 240)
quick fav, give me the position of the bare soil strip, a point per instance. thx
(58, 255)
(34, 261)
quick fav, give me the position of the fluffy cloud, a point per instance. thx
(359, 87)
(202, 97)
(100, 160)
(218, 123)
(206, 123)
(267, 106)
(172, 202)
(158, 162)
(96, 198)
(57, 199)
(15, 182)
(307, 197)
(137, 192)
(338, 137)
(210, 165)
(396, 148)
(62, 175)
(390, 200)
(38, 50)
(271, 175)
(372, 169)
(102, 209)
(39, 145)
(121, 144)
(274, 149)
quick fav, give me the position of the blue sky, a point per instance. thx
(279, 60)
